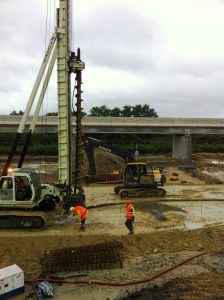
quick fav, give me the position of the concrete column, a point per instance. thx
(182, 147)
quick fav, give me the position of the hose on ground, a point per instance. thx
(117, 283)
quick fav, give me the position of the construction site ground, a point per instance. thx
(187, 222)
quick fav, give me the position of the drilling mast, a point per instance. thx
(69, 145)
(64, 94)
(45, 196)
(68, 62)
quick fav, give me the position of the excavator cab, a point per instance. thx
(18, 187)
(21, 190)
(138, 174)
(15, 188)
(139, 181)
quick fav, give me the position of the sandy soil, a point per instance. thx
(188, 222)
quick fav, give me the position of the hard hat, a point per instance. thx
(127, 202)
(71, 208)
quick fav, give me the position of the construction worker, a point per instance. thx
(80, 213)
(20, 189)
(130, 216)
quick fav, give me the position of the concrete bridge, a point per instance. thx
(182, 129)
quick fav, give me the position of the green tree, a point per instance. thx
(138, 111)
(126, 111)
(14, 113)
(100, 111)
(52, 114)
(143, 111)
(115, 112)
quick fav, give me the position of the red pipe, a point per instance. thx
(117, 283)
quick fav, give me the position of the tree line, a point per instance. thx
(47, 143)
(103, 111)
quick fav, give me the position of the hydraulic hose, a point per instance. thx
(117, 283)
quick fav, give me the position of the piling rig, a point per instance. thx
(69, 189)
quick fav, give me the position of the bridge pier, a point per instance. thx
(182, 147)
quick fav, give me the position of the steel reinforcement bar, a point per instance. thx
(101, 256)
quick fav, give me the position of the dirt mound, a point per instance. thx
(204, 156)
(64, 237)
(195, 287)
(164, 236)
(107, 165)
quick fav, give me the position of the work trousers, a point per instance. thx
(83, 221)
(129, 225)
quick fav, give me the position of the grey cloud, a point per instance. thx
(200, 67)
(115, 42)
(120, 39)
(180, 95)
(22, 29)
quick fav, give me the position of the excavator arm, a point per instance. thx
(91, 143)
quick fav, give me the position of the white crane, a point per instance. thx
(67, 62)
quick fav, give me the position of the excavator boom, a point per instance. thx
(91, 143)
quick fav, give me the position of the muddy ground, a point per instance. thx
(168, 231)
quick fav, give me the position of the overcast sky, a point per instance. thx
(168, 54)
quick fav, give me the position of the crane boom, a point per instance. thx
(69, 162)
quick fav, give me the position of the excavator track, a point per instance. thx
(143, 192)
(22, 219)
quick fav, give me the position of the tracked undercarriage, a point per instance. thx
(139, 181)
(139, 192)
(22, 219)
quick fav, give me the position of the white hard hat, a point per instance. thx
(71, 208)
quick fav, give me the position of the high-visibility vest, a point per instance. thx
(80, 211)
(130, 214)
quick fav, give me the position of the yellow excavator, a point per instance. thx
(139, 181)
(139, 178)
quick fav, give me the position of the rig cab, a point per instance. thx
(23, 198)
(21, 188)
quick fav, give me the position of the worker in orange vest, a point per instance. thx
(130, 216)
(80, 213)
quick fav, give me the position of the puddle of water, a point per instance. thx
(202, 214)
(218, 174)
(217, 162)
(212, 192)
(191, 226)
